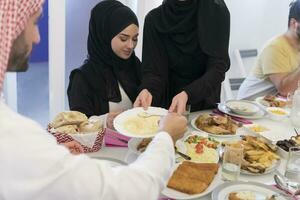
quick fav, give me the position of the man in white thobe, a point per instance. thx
(33, 166)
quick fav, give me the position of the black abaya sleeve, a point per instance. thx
(154, 63)
(214, 31)
(80, 96)
(209, 84)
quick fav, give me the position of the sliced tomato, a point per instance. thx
(199, 148)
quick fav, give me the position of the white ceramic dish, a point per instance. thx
(223, 108)
(242, 107)
(179, 195)
(257, 128)
(180, 144)
(266, 132)
(260, 190)
(276, 116)
(121, 119)
(264, 103)
(271, 169)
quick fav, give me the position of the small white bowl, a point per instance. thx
(276, 113)
(242, 107)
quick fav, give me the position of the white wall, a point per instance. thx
(254, 22)
(77, 22)
(143, 7)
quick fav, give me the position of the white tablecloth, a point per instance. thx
(280, 130)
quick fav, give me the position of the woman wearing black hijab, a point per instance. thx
(185, 54)
(109, 78)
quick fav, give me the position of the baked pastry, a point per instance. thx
(193, 178)
(68, 118)
(67, 129)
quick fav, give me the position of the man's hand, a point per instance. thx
(74, 147)
(110, 119)
(179, 103)
(175, 125)
(144, 99)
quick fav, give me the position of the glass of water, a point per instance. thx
(232, 159)
(292, 172)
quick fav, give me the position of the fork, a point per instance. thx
(147, 115)
(182, 154)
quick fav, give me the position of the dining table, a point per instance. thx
(282, 129)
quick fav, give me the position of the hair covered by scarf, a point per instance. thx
(14, 15)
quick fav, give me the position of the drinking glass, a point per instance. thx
(187, 112)
(232, 159)
(292, 172)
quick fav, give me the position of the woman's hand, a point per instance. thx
(179, 103)
(74, 147)
(110, 119)
(144, 99)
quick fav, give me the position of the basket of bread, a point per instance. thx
(73, 125)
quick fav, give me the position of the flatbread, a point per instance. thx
(67, 129)
(68, 118)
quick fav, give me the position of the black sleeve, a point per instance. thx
(154, 62)
(210, 82)
(214, 32)
(80, 95)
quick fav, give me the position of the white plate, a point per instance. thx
(193, 123)
(249, 126)
(242, 107)
(180, 144)
(121, 118)
(179, 195)
(260, 114)
(261, 191)
(260, 101)
(267, 134)
(268, 170)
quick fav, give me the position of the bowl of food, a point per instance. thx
(277, 113)
(75, 126)
(242, 107)
(199, 148)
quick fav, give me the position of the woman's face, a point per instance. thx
(124, 43)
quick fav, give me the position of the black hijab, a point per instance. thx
(103, 69)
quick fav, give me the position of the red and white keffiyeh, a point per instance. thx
(14, 15)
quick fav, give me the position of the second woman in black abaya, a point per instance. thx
(185, 54)
(108, 80)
